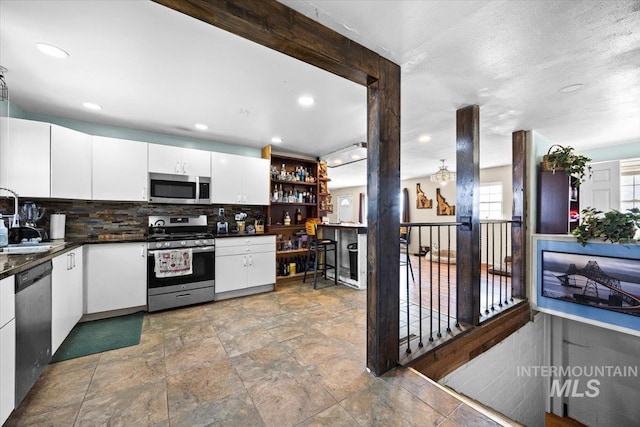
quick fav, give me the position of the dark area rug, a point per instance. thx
(101, 335)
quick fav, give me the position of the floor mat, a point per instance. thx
(101, 335)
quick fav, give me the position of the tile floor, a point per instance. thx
(293, 357)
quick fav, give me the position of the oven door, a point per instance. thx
(203, 266)
(178, 189)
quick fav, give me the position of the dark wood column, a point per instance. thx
(518, 227)
(276, 26)
(467, 211)
(383, 219)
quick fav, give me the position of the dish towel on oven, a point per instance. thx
(173, 263)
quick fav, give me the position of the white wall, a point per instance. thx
(493, 377)
(499, 174)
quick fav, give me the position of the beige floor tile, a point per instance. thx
(62, 416)
(314, 348)
(151, 346)
(335, 416)
(387, 405)
(287, 402)
(183, 357)
(464, 415)
(235, 410)
(237, 342)
(66, 366)
(136, 406)
(200, 386)
(119, 375)
(343, 377)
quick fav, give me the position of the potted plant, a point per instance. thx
(564, 158)
(615, 226)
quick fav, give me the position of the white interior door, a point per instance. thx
(602, 191)
(345, 208)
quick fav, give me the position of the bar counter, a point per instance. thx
(346, 234)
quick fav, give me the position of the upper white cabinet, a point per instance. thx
(66, 295)
(239, 180)
(24, 157)
(70, 164)
(119, 169)
(115, 276)
(178, 160)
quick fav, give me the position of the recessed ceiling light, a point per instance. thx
(355, 157)
(425, 138)
(337, 162)
(50, 50)
(571, 88)
(200, 126)
(91, 106)
(306, 101)
(276, 140)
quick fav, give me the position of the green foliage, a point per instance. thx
(615, 226)
(564, 158)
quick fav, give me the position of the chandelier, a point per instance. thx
(443, 175)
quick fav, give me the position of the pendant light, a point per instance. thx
(443, 175)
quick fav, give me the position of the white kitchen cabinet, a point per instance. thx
(115, 276)
(70, 164)
(7, 347)
(66, 295)
(243, 263)
(24, 157)
(119, 169)
(168, 159)
(239, 179)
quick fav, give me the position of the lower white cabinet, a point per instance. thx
(115, 276)
(243, 263)
(66, 295)
(7, 347)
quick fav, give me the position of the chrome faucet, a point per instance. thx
(15, 223)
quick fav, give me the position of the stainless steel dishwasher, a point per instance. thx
(33, 326)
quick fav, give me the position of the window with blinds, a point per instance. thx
(629, 184)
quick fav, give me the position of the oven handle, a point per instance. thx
(197, 250)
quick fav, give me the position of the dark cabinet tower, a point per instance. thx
(558, 204)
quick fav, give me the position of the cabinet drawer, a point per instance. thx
(7, 300)
(244, 249)
(245, 240)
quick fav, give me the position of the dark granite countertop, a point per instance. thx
(14, 264)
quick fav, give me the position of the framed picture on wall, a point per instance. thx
(330, 208)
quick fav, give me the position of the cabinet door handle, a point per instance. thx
(250, 260)
(244, 198)
(244, 261)
(177, 167)
(142, 251)
(69, 265)
(144, 193)
(183, 296)
(184, 167)
(73, 260)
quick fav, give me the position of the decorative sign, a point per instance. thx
(421, 200)
(443, 207)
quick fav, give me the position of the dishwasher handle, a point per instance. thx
(29, 277)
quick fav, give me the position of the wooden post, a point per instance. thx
(281, 28)
(383, 219)
(518, 227)
(467, 211)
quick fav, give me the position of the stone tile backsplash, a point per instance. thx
(92, 218)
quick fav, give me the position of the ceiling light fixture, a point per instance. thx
(91, 106)
(425, 138)
(276, 140)
(306, 100)
(200, 126)
(343, 156)
(571, 88)
(51, 50)
(443, 175)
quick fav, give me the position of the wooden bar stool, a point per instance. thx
(315, 246)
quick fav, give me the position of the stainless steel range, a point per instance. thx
(180, 262)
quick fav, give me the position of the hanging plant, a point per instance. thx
(614, 226)
(564, 158)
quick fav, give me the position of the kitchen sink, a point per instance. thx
(25, 248)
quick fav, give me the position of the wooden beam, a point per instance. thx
(383, 219)
(467, 211)
(518, 227)
(285, 30)
(276, 26)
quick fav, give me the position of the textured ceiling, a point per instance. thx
(154, 69)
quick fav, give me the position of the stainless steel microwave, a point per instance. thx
(179, 189)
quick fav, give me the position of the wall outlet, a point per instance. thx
(220, 211)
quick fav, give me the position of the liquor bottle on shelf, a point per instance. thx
(298, 219)
(287, 219)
